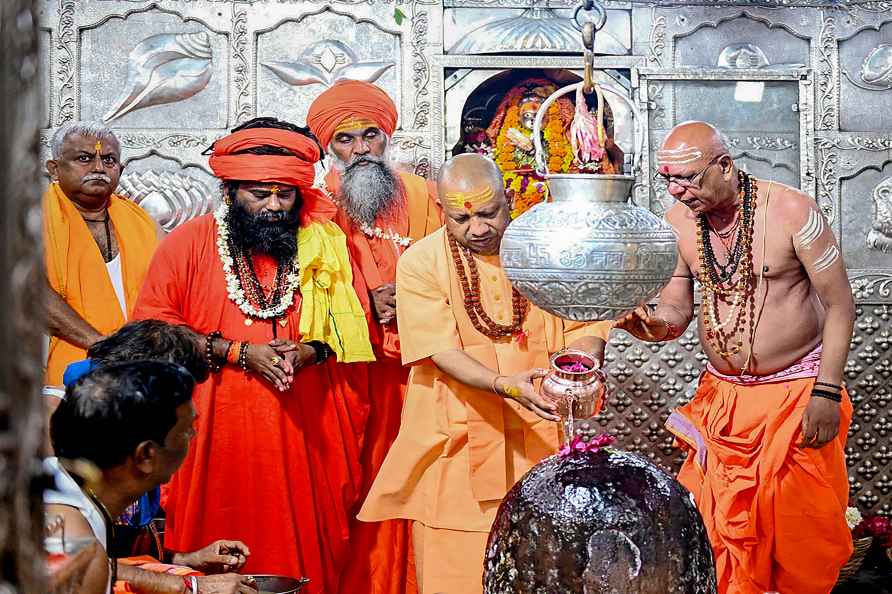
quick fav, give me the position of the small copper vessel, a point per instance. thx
(576, 381)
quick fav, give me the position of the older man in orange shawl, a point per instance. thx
(766, 431)
(265, 283)
(382, 211)
(97, 248)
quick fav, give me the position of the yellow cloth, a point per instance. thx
(76, 270)
(459, 449)
(330, 310)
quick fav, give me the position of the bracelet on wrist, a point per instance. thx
(836, 387)
(322, 350)
(243, 356)
(228, 357)
(213, 362)
(493, 387)
(818, 392)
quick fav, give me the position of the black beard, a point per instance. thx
(369, 191)
(274, 234)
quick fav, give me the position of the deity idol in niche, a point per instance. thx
(510, 134)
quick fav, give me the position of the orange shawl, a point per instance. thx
(76, 270)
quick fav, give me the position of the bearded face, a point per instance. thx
(271, 232)
(370, 188)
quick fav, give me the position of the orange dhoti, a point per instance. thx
(775, 512)
(381, 552)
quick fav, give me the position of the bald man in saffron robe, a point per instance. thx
(473, 422)
(382, 211)
(266, 285)
(766, 431)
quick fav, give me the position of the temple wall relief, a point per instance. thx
(800, 87)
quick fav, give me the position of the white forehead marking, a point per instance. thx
(679, 156)
(826, 260)
(811, 230)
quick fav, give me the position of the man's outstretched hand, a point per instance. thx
(221, 556)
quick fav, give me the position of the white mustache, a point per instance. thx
(99, 176)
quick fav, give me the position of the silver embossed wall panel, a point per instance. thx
(801, 87)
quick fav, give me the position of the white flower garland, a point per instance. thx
(233, 284)
(382, 234)
(369, 231)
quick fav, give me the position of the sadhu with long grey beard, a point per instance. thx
(265, 283)
(382, 211)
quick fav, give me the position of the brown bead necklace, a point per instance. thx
(254, 290)
(717, 280)
(471, 292)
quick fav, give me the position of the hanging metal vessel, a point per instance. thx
(590, 254)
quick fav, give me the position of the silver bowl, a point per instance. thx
(278, 584)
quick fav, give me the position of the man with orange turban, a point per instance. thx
(265, 283)
(382, 211)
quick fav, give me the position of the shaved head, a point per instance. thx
(698, 168)
(690, 143)
(473, 197)
(469, 173)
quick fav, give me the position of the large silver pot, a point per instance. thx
(590, 254)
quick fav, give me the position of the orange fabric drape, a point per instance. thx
(381, 551)
(76, 270)
(376, 258)
(775, 512)
(277, 470)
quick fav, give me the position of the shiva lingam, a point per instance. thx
(577, 387)
(589, 254)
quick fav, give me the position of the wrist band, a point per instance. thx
(492, 386)
(229, 358)
(829, 385)
(190, 582)
(214, 364)
(243, 356)
(322, 350)
(826, 394)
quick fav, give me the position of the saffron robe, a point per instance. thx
(277, 470)
(76, 269)
(460, 449)
(775, 512)
(380, 552)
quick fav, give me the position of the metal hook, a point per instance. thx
(587, 7)
(588, 42)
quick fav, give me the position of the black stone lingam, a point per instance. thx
(604, 522)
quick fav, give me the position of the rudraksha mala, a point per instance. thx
(471, 292)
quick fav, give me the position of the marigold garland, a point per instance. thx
(518, 167)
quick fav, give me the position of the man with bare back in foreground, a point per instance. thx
(766, 430)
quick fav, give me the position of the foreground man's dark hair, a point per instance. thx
(112, 409)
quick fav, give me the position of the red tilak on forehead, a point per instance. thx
(664, 169)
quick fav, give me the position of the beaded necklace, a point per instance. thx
(471, 292)
(367, 229)
(717, 280)
(242, 285)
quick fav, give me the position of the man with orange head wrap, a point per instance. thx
(265, 283)
(382, 211)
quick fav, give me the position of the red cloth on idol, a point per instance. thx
(346, 99)
(278, 471)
